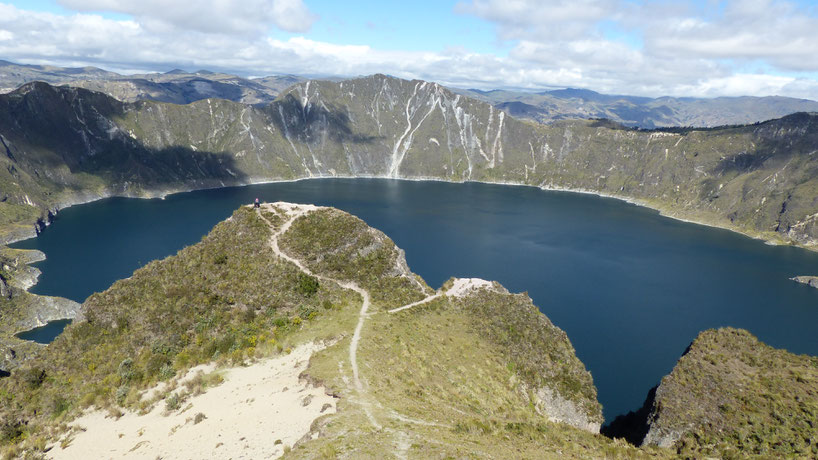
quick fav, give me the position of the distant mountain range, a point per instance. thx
(642, 112)
(176, 86)
(182, 87)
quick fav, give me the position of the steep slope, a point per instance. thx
(21, 311)
(66, 145)
(730, 394)
(470, 370)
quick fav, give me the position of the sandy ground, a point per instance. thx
(461, 287)
(246, 415)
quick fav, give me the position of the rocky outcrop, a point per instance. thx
(555, 381)
(21, 311)
(44, 309)
(556, 408)
(811, 281)
(730, 392)
(14, 352)
(5, 291)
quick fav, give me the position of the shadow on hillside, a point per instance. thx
(309, 123)
(48, 128)
(632, 426)
(774, 145)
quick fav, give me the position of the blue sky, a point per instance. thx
(409, 26)
(641, 47)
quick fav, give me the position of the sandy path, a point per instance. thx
(245, 417)
(419, 302)
(460, 288)
(293, 212)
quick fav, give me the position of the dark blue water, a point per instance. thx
(631, 288)
(47, 333)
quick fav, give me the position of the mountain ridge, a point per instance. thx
(181, 87)
(385, 127)
(642, 112)
(63, 144)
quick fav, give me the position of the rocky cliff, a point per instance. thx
(732, 395)
(66, 145)
(21, 311)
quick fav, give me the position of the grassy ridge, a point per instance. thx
(224, 299)
(341, 246)
(536, 350)
(450, 376)
(731, 395)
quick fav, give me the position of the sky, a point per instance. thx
(696, 48)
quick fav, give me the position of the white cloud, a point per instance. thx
(682, 46)
(212, 16)
(685, 52)
(518, 19)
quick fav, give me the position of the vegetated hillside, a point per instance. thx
(642, 112)
(65, 145)
(21, 311)
(475, 372)
(731, 395)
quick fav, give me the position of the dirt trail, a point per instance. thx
(293, 212)
(459, 288)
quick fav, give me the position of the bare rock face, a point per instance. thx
(559, 409)
(44, 309)
(5, 292)
(811, 281)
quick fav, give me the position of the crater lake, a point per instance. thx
(631, 288)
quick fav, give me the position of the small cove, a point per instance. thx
(631, 288)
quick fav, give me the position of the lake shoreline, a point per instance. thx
(662, 210)
(162, 194)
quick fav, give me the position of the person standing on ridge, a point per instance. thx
(256, 203)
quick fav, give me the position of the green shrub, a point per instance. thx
(307, 285)
(33, 377)
(122, 394)
(167, 372)
(10, 431)
(58, 405)
(173, 402)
